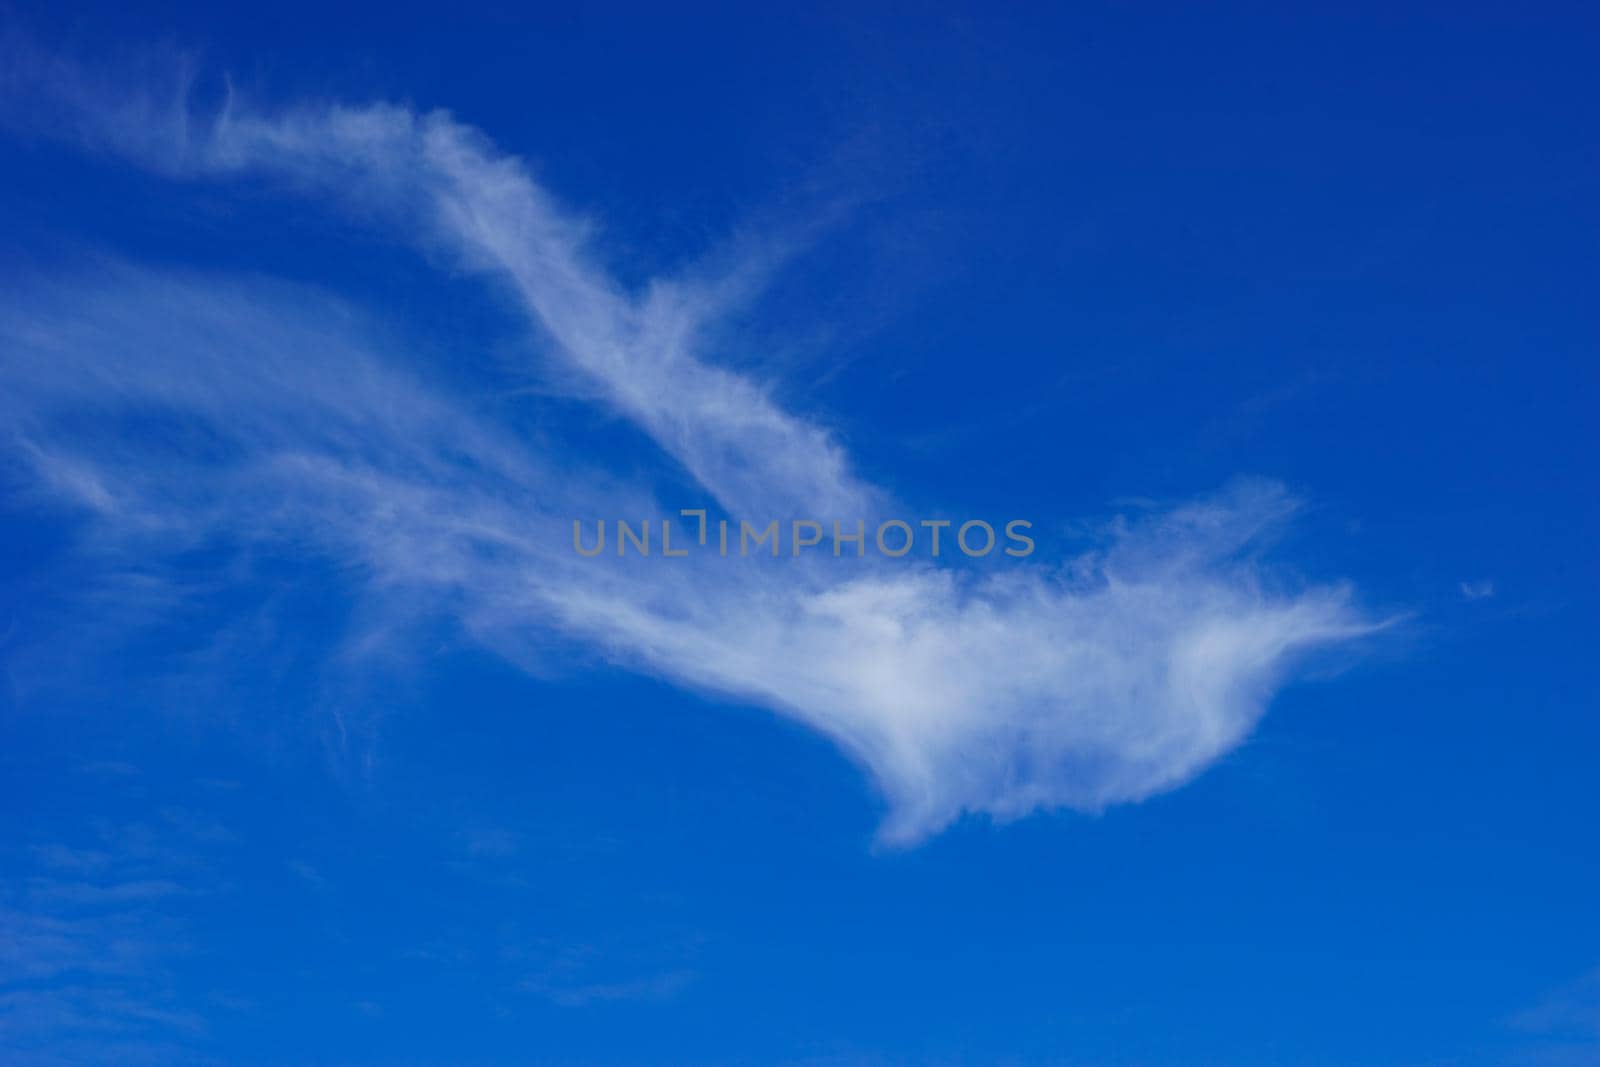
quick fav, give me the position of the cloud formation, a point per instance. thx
(86, 942)
(179, 408)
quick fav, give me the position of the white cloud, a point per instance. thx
(1080, 683)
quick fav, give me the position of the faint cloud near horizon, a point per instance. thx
(1564, 1027)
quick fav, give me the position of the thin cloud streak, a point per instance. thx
(1100, 680)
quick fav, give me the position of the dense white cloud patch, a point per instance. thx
(1044, 683)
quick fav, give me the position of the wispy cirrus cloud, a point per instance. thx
(86, 943)
(177, 407)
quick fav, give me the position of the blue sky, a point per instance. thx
(320, 745)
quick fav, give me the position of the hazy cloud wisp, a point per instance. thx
(1078, 683)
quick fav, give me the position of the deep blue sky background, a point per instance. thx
(1056, 261)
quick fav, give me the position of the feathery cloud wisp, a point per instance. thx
(1098, 680)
